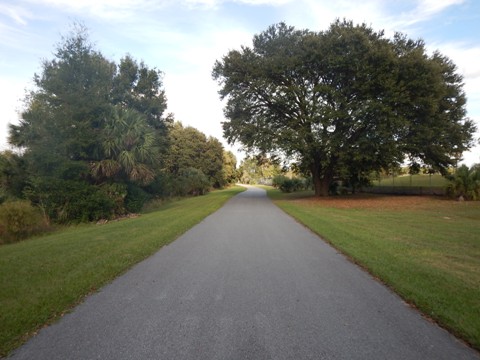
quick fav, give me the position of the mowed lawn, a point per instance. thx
(42, 278)
(427, 249)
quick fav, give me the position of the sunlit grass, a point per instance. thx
(426, 249)
(43, 277)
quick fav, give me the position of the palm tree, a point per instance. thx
(466, 182)
(129, 146)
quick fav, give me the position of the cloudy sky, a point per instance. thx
(183, 38)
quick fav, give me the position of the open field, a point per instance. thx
(42, 278)
(435, 180)
(427, 249)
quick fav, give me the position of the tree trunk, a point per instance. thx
(322, 186)
(321, 183)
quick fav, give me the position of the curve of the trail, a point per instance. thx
(246, 283)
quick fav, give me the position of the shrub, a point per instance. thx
(70, 201)
(116, 192)
(191, 181)
(136, 198)
(19, 220)
(291, 185)
(465, 183)
(278, 181)
(161, 186)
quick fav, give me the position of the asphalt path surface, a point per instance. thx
(246, 283)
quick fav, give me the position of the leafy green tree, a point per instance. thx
(87, 125)
(190, 148)
(129, 148)
(230, 167)
(213, 164)
(187, 146)
(258, 169)
(344, 102)
(139, 88)
(65, 114)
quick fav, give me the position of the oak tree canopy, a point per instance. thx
(344, 102)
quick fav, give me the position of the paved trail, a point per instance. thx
(246, 283)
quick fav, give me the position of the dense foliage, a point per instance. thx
(93, 141)
(289, 184)
(344, 102)
(18, 220)
(465, 183)
(259, 170)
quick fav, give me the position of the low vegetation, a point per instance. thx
(427, 249)
(44, 277)
(288, 185)
(19, 220)
(465, 183)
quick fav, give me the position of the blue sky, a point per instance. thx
(183, 38)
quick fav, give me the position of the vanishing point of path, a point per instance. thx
(246, 283)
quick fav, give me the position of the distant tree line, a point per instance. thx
(93, 140)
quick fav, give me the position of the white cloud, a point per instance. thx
(17, 13)
(427, 8)
(105, 9)
(265, 2)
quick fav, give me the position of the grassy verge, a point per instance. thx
(42, 278)
(426, 249)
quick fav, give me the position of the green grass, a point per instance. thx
(426, 249)
(42, 278)
(436, 180)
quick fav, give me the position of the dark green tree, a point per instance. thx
(88, 126)
(139, 88)
(213, 164)
(64, 116)
(187, 147)
(344, 102)
(190, 148)
(13, 175)
(230, 167)
(129, 148)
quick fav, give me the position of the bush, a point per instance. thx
(191, 181)
(161, 186)
(70, 201)
(278, 181)
(135, 199)
(465, 183)
(117, 193)
(19, 220)
(288, 185)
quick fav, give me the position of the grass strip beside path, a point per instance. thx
(41, 278)
(427, 249)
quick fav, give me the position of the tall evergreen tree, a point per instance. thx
(88, 123)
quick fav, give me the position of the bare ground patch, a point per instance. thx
(378, 202)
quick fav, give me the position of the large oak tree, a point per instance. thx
(345, 101)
